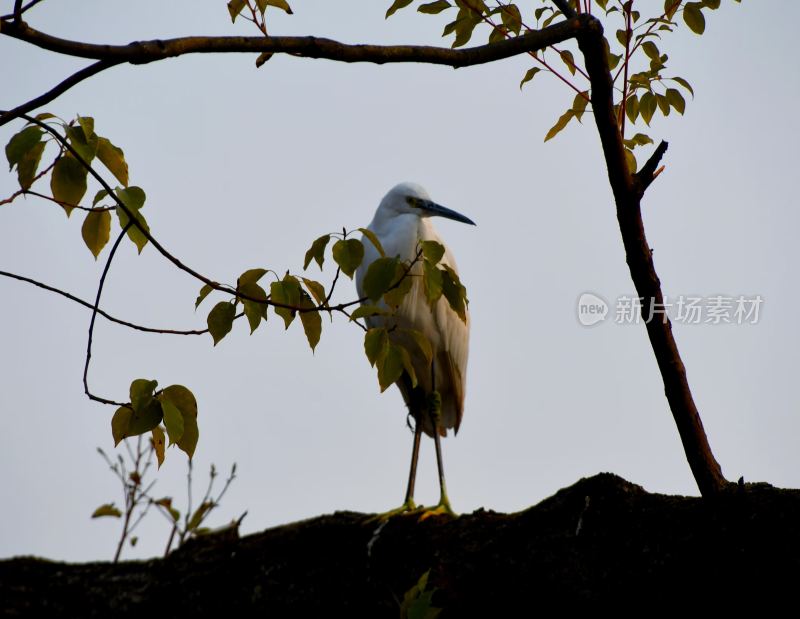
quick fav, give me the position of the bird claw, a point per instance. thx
(409, 507)
(442, 509)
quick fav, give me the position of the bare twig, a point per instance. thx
(105, 314)
(58, 89)
(89, 394)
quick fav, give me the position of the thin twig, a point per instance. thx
(58, 89)
(90, 395)
(105, 314)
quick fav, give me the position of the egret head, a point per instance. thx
(412, 199)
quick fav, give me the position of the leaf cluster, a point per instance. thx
(175, 407)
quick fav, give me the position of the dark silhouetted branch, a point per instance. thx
(704, 466)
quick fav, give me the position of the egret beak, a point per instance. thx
(437, 210)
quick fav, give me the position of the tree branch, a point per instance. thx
(95, 308)
(57, 90)
(103, 313)
(647, 174)
(141, 52)
(704, 466)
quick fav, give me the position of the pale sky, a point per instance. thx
(245, 167)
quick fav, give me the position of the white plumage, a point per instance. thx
(400, 223)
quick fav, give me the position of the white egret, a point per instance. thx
(400, 223)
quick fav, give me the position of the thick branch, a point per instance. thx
(639, 257)
(140, 52)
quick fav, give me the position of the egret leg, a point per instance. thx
(435, 412)
(409, 505)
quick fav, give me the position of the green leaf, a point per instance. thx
(379, 277)
(316, 289)
(373, 239)
(512, 19)
(685, 84)
(529, 74)
(99, 196)
(432, 251)
(186, 403)
(647, 107)
(464, 27)
(365, 311)
(400, 287)
(173, 420)
(166, 503)
(220, 320)
(96, 231)
(83, 140)
(87, 125)
(20, 143)
(454, 292)
(29, 164)
(568, 59)
(120, 423)
(630, 159)
(397, 5)
(390, 366)
(579, 104)
(280, 4)
(651, 50)
(632, 107)
(622, 37)
(418, 600)
(434, 7)
(133, 198)
(376, 342)
(431, 282)
(141, 393)
(145, 418)
(640, 139)
(286, 292)
(348, 254)
(312, 325)
(251, 276)
(317, 251)
(68, 182)
(108, 509)
(676, 100)
(671, 7)
(693, 17)
(560, 124)
(114, 160)
(254, 311)
(663, 104)
(235, 7)
(199, 514)
(204, 292)
(158, 444)
(711, 4)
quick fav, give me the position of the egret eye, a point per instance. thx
(413, 201)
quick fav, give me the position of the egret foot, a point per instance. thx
(409, 507)
(442, 509)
